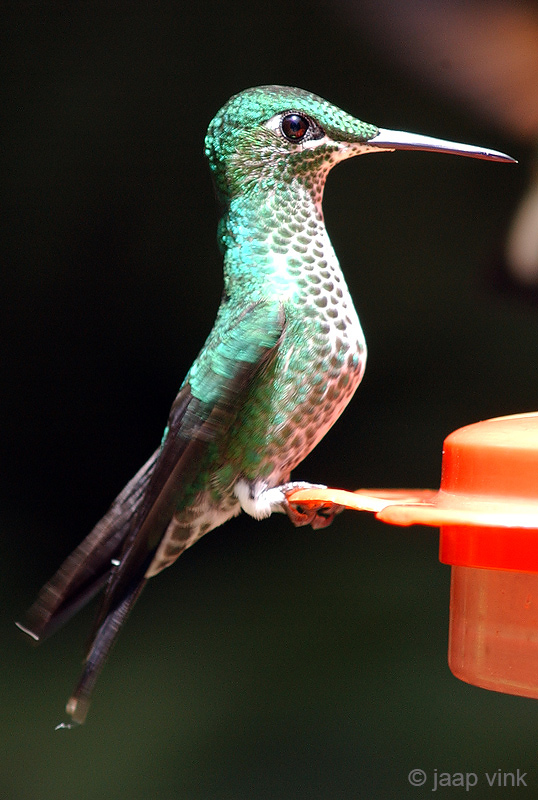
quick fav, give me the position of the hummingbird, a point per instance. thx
(284, 357)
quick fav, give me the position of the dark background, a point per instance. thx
(269, 662)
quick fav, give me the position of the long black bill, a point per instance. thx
(401, 140)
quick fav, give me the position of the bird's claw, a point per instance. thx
(318, 515)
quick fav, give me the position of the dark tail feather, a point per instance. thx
(37, 629)
(79, 702)
(86, 571)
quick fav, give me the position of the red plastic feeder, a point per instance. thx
(487, 511)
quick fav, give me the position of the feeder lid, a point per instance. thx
(489, 479)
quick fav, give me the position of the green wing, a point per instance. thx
(120, 548)
(207, 404)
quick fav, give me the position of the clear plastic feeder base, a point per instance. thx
(493, 636)
(487, 510)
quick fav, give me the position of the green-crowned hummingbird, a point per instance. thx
(284, 357)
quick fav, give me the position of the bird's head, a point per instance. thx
(271, 135)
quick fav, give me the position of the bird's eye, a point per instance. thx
(295, 127)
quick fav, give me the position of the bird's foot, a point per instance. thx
(260, 502)
(318, 515)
